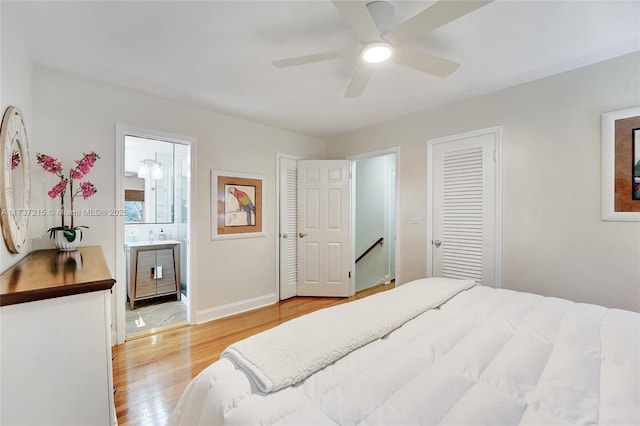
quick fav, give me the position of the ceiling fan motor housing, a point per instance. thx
(382, 14)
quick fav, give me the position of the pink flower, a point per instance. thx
(84, 166)
(49, 164)
(88, 189)
(58, 189)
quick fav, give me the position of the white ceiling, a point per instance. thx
(217, 54)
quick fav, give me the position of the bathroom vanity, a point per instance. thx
(153, 270)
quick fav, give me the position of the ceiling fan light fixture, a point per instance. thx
(376, 52)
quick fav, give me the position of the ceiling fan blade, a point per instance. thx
(433, 17)
(316, 57)
(358, 17)
(423, 62)
(359, 81)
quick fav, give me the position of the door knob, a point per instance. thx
(285, 235)
(301, 235)
(437, 243)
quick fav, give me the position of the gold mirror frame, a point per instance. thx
(14, 219)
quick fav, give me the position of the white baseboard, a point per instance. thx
(235, 308)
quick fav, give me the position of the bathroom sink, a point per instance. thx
(151, 243)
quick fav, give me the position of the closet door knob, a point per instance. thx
(437, 243)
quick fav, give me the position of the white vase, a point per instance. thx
(63, 244)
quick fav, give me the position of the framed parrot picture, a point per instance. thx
(236, 205)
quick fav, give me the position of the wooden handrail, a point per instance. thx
(380, 241)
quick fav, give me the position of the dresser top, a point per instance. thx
(45, 274)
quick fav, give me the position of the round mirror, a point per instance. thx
(15, 200)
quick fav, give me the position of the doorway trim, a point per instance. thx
(379, 153)
(496, 131)
(120, 298)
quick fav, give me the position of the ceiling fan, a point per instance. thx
(378, 48)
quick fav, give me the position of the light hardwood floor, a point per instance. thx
(152, 372)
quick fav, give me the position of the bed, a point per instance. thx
(432, 351)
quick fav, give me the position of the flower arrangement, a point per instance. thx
(86, 189)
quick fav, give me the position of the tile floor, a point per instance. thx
(155, 313)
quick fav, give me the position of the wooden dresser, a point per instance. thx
(55, 320)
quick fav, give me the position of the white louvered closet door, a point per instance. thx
(463, 244)
(288, 227)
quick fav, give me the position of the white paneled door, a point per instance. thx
(465, 231)
(324, 228)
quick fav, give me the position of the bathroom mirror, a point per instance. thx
(148, 181)
(15, 183)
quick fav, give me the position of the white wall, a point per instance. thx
(72, 115)
(554, 241)
(16, 84)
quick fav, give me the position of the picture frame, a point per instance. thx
(635, 192)
(237, 205)
(620, 133)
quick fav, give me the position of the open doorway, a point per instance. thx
(384, 227)
(375, 220)
(155, 201)
(153, 269)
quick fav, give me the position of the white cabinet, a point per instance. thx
(55, 359)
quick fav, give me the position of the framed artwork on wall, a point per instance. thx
(636, 165)
(621, 165)
(236, 205)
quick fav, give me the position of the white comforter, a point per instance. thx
(492, 357)
(310, 343)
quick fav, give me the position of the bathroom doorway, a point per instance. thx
(154, 273)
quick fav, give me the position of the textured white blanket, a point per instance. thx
(485, 357)
(285, 355)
